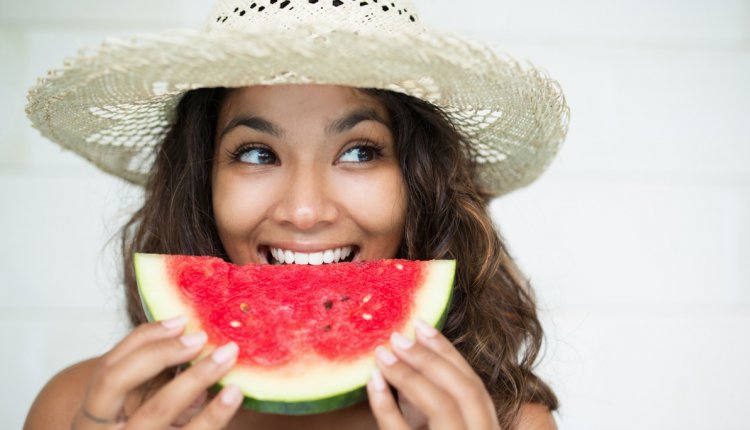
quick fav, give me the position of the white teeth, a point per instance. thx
(301, 258)
(288, 257)
(283, 256)
(316, 258)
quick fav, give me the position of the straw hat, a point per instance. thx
(113, 106)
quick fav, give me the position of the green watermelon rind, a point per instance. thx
(441, 271)
(318, 406)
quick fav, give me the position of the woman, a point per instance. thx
(251, 166)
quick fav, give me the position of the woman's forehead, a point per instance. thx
(299, 109)
(298, 98)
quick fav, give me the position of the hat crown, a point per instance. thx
(360, 16)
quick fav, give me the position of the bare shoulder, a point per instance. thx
(534, 416)
(59, 400)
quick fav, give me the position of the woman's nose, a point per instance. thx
(306, 201)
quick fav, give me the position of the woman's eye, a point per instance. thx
(257, 156)
(359, 154)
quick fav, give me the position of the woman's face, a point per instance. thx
(306, 174)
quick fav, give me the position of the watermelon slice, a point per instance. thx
(307, 334)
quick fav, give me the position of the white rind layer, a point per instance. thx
(311, 377)
(161, 303)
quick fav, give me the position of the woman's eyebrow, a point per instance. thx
(349, 121)
(254, 122)
(340, 125)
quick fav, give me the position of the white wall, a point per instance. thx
(637, 239)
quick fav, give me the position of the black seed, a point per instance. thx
(328, 305)
(385, 8)
(225, 18)
(284, 4)
(344, 298)
(242, 13)
(327, 328)
(252, 6)
(337, 3)
(218, 19)
(312, 1)
(274, 1)
(412, 18)
(236, 9)
(260, 9)
(364, 3)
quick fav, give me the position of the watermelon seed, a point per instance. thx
(367, 298)
(344, 298)
(235, 324)
(243, 307)
(368, 317)
(327, 328)
(328, 305)
(400, 266)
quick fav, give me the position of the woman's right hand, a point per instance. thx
(141, 356)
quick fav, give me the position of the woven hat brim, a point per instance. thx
(115, 105)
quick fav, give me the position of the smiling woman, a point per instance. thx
(390, 144)
(303, 171)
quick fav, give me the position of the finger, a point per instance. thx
(84, 421)
(220, 411)
(166, 405)
(146, 333)
(440, 408)
(468, 391)
(114, 380)
(430, 337)
(383, 405)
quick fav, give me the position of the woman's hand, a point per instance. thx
(433, 377)
(141, 356)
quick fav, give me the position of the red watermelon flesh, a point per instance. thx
(306, 334)
(276, 313)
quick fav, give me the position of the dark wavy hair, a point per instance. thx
(492, 321)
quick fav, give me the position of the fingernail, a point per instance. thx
(193, 339)
(175, 322)
(224, 353)
(231, 395)
(400, 341)
(385, 356)
(377, 381)
(424, 328)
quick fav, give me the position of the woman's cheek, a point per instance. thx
(238, 209)
(378, 204)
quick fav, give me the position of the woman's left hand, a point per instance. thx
(433, 377)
